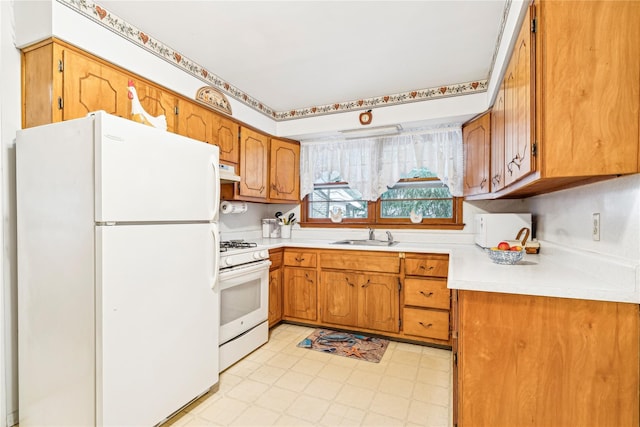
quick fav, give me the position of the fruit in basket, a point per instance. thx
(516, 248)
(504, 246)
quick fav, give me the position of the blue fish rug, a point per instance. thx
(355, 346)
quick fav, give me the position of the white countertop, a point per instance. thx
(555, 272)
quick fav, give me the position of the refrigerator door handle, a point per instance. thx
(216, 257)
(216, 189)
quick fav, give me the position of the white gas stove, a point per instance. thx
(244, 299)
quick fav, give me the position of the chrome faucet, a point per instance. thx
(372, 234)
(389, 236)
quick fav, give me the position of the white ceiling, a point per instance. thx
(297, 54)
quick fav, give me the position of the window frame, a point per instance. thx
(374, 217)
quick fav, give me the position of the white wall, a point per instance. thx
(565, 217)
(9, 123)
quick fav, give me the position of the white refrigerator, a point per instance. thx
(118, 249)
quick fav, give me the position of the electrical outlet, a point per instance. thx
(596, 227)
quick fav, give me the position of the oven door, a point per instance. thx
(244, 298)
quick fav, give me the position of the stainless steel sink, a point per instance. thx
(365, 242)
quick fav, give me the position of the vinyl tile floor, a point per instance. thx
(281, 384)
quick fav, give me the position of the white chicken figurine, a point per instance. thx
(415, 218)
(336, 215)
(139, 115)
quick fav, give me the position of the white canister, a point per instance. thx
(286, 231)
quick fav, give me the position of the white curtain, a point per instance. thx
(372, 165)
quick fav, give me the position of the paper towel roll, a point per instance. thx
(233, 207)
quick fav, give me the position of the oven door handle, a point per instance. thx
(244, 269)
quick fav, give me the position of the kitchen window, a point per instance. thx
(418, 200)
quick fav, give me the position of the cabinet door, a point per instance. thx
(339, 298)
(157, 102)
(589, 86)
(300, 293)
(497, 142)
(275, 296)
(41, 85)
(518, 112)
(476, 141)
(284, 171)
(529, 355)
(226, 134)
(89, 86)
(195, 121)
(378, 302)
(253, 163)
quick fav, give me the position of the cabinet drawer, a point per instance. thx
(276, 259)
(427, 293)
(300, 259)
(426, 323)
(362, 261)
(436, 266)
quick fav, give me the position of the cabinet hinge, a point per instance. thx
(534, 149)
(455, 359)
(176, 111)
(534, 23)
(60, 65)
(399, 285)
(60, 103)
(401, 255)
(400, 324)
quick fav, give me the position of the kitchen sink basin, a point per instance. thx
(365, 242)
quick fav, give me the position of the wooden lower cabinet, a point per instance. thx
(378, 302)
(339, 298)
(300, 294)
(275, 287)
(394, 294)
(541, 361)
(360, 300)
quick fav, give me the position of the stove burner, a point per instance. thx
(236, 244)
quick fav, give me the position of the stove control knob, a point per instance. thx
(228, 260)
(264, 254)
(256, 255)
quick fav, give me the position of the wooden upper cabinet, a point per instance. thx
(157, 102)
(588, 68)
(497, 142)
(91, 86)
(476, 136)
(226, 137)
(518, 111)
(284, 171)
(195, 121)
(61, 82)
(254, 152)
(568, 111)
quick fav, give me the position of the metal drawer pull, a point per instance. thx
(425, 268)
(426, 295)
(366, 284)
(348, 283)
(426, 326)
(299, 259)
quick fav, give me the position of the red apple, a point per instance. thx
(504, 246)
(516, 248)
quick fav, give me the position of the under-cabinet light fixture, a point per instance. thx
(374, 131)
